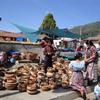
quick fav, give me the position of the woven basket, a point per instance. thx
(21, 89)
(65, 84)
(31, 81)
(53, 86)
(31, 56)
(22, 86)
(9, 74)
(50, 74)
(32, 87)
(10, 86)
(45, 86)
(12, 80)
(32, 92)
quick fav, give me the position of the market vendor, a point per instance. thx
(77, 79)
(91, 60)
(48, 52)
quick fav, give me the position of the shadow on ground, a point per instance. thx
(61, 90)
(9, 94)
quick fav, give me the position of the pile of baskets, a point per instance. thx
(31, 79)
(10, 81)
(28, 56)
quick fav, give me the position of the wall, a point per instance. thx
(20, 46)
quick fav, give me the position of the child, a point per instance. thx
(97, 90)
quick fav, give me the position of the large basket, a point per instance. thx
(31, 56)
(22, 86)
(32, 92)
(10, 86)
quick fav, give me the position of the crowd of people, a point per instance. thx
(83, 68)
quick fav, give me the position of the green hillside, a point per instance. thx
(88, 30)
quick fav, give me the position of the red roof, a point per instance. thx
(11, 34)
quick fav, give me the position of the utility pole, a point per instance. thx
(0, 18)
(80, 33)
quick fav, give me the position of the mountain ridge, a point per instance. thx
(87, 30)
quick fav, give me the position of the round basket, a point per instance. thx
(25, 77)
(32, 92)
(31, 56)
(9, 74)
(13, 80)
(33, 74)
(40, 77)
(65, 85)
(53, 86)
(32, 87)
(49, 74)
(31, 81)
(45, 88)
(22, 87)
(10, 86)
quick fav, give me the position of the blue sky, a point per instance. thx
(30, 13)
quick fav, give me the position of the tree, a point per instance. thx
(48, 22)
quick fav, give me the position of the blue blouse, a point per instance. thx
(97, 89)
(77, 66)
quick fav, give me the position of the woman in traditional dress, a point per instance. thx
(91, 59)
(77, 78)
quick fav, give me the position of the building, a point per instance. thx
(96, 40)
(11, 36)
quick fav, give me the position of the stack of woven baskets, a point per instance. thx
(32, 78)
(10, 81)
(28, 55)
(32, 87)
(22, 73)
(22, 82)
